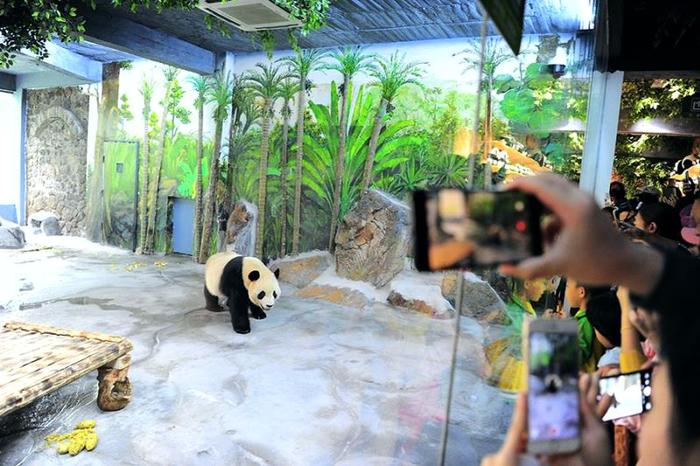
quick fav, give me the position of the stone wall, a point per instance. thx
(56, 141)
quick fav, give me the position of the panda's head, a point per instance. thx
(263, 287)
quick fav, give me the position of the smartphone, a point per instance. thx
(631, 393)
(553, 393)
(456, 229)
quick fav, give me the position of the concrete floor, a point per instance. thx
(313, 384)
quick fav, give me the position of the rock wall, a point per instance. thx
(56, 148)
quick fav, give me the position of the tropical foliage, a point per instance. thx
(304, 157)
(320, 162)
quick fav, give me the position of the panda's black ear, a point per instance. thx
(254, 275)
(277, 273)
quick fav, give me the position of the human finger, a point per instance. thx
(534, 267)
(552, 190)
(603, 405)
(518, 424)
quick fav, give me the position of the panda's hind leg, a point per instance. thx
(212, 302)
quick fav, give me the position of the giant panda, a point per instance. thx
(240, 283)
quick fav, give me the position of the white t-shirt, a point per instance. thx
(611, 356)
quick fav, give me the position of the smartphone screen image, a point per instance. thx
(553, 394)
(459, 229)
(631, 394)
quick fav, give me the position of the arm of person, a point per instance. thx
(631, 354)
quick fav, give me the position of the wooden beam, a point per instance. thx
(8, 82)
(134, 38)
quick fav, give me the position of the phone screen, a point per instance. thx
(456, 229)
(631, 394)
(553, 411)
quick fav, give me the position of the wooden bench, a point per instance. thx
(39, 359)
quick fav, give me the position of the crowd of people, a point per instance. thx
(627, 277)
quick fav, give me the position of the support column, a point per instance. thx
(601, 133)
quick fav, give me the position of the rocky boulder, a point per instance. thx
(45, 222)
(373, 239)
(11, 235)
(240, 228)
(419, 293)
(302, 269)
(480, 300)
(337, 295)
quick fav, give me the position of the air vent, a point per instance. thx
(250, 15)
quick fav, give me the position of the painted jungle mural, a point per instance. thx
(302, 134)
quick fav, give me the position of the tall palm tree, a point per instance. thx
(170, 74)
(389, 76)
(301, 64)
(200, 84)
(238, 95)
(348, 62)
(219, 94)
(494, 54)
(264, 82)
(147, 93)
(288, 89)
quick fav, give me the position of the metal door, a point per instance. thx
(183, 225)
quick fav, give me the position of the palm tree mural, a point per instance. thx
(288, 89)
(220, 95)
(348, 62)
(170, 77)
(147, 93)
(200, 84)
(390, 76)
(495, 54)
(301, 64)
(239, 93)
(245, 114)
(264, 82)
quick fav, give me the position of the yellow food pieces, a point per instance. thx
(82, 437)
(160, 264)
(87, 424)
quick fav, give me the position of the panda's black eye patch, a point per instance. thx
(274, 294)
(261, 295)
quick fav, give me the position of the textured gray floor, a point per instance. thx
(313, 384)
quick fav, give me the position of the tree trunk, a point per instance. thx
(373, 141)
(145, 163)
(228, 193)
(283, 183)
(262, 181)
(153, 201)
(107, 121)
(209, 223)
(487, 138)
(339, 163)
(198, 189)
(299, 157)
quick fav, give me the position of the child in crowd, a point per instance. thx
(591, 349)
(507, 368)
(604, 315)
(659, 219)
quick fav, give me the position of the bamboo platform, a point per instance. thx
(39, 359)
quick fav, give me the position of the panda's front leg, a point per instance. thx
(257, 312)
(238, 308)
